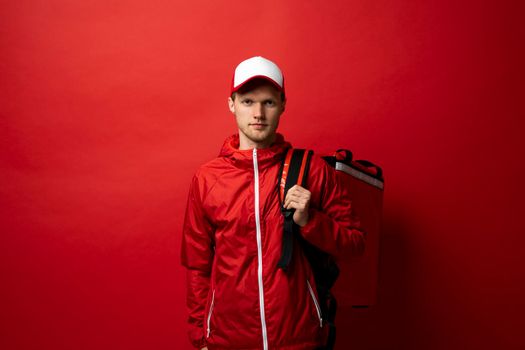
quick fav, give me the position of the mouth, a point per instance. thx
(258, 125)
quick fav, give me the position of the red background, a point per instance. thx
(108, 107)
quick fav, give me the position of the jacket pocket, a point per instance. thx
(316, 303)
(208, 319)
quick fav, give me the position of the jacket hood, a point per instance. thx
(230, 149)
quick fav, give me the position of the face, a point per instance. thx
(257, 113)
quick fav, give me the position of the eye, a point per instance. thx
(246, 102)
(269, 103)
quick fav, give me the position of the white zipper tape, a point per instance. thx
(259, 248)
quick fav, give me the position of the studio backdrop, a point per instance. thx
(107, 108)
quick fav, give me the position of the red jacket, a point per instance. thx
(232, 236)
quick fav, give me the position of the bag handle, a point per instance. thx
(343, 155)
(368, 164)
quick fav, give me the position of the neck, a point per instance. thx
(245, 143)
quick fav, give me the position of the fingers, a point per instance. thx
(297, 197)
(299, 205)
(297, 188)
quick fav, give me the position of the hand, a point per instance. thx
(298, 198)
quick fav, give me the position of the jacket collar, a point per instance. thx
(244, 158)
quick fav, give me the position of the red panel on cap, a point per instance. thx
(234, 89)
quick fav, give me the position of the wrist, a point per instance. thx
(301, 218)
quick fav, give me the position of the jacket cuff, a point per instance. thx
(196, 336)
(313, 221)
(200, 343)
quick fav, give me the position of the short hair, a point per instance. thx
(255, 83)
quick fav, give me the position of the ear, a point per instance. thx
(284, 105)
(231, 105)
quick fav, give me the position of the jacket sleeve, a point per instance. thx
(197, 256)
(331, 225)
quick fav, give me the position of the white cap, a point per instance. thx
(257, 67)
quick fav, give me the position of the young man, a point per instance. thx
(237, 297)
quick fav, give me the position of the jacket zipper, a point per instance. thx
(209, 314)
(259, 249)
(316, 303)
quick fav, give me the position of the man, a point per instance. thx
(232, 236)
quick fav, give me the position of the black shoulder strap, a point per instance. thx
(294, 170)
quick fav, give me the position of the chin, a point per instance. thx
(262, 137)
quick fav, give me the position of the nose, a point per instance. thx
(258, 110)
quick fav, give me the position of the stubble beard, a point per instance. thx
(266, 137)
